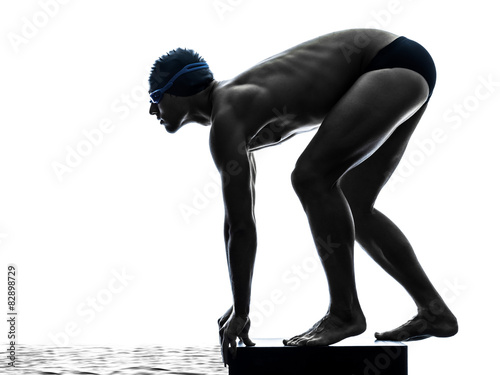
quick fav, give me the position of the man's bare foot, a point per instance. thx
(329, 330)
(423, 325)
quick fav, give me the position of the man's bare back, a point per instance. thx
(365, 104)
(304, 82)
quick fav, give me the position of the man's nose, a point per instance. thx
(153, 109)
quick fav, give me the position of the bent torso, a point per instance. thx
(293, 91)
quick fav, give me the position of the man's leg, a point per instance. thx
(387, 245)
(362, 120)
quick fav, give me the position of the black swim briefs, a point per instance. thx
(406, 53)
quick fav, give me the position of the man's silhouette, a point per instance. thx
(364, 90)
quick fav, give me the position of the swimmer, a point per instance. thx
(364, 92)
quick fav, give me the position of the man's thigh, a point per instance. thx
(362, 120)
(362, 184)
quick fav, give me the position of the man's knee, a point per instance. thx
(360, 212)
(359, 201)
(302, 179)
(307, 181)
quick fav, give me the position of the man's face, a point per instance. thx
(169, 112)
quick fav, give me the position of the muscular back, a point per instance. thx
(304, 82)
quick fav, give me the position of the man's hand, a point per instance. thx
(231, 327)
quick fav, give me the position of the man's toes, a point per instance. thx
(301, 342)
(295, 342)
(288, 342)
(392, 336)
(384, 336)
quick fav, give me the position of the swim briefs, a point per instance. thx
(406, 53)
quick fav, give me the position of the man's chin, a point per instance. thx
(171, 129)
(168, 127)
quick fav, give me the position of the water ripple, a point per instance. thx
(87, 360)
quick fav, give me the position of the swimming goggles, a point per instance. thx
(158, 94)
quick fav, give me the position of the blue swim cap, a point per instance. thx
(167, 66)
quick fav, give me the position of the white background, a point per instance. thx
(68, 69)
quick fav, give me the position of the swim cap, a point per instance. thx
(190, 83)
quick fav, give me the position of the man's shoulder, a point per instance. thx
(228, 136)
(237, 115)
(239, 102)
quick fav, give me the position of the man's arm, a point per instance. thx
(237, 169)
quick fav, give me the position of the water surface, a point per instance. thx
(89, 360)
